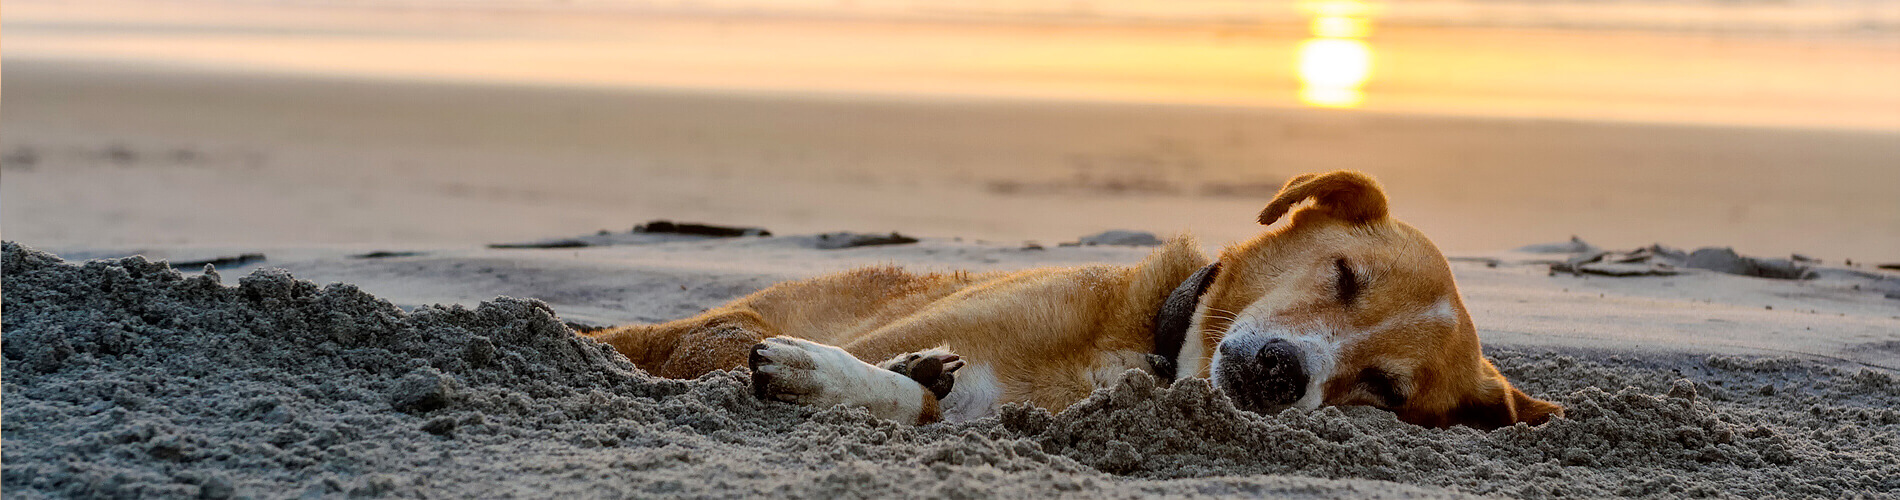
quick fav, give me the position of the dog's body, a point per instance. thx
(1343, 305)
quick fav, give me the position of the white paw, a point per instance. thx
(808, 373)
(935, 369)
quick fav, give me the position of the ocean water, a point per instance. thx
(1764, 16)
(1676, 16)
(1794, 63)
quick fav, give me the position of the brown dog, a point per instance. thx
(1342, 305)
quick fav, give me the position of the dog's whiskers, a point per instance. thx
(1223, 314)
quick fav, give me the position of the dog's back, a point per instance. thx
(1046, 336)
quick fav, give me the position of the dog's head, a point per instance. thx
(1344, 305)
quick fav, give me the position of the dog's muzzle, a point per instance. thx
(1270, 377)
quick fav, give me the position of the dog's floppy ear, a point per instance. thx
(1347, 194)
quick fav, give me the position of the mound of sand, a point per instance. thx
(126, 378)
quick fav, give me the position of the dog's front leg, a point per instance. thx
(905, 388)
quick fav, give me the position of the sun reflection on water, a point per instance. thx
(1336, 62)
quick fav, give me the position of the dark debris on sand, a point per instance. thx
(1660, 260)
(227, 261)
(697, 229)
(387, 254)
(652, 232)
(125, 378)
(842, 240)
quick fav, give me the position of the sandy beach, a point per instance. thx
(1700, 384)
(349, 169)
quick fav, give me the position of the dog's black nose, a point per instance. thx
(1281, 373)
(1272, 376)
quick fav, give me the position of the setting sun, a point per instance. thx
(1336, 62)
(1332, 70)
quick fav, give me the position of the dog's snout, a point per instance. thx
(1282, 374)
(1273, 374)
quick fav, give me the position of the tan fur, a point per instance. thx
(1065, 315)
(931, 413)
(1049, 333)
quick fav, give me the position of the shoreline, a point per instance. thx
(217, 71)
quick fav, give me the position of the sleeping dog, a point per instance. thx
(1339, 305)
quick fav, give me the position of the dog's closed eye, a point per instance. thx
(1383, 388)
(1347, 283)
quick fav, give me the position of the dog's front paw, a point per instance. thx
(935, 369)
(784, 369)
(812, 374)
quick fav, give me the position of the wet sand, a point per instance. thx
(104, 155)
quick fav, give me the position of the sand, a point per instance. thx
(124, 377)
